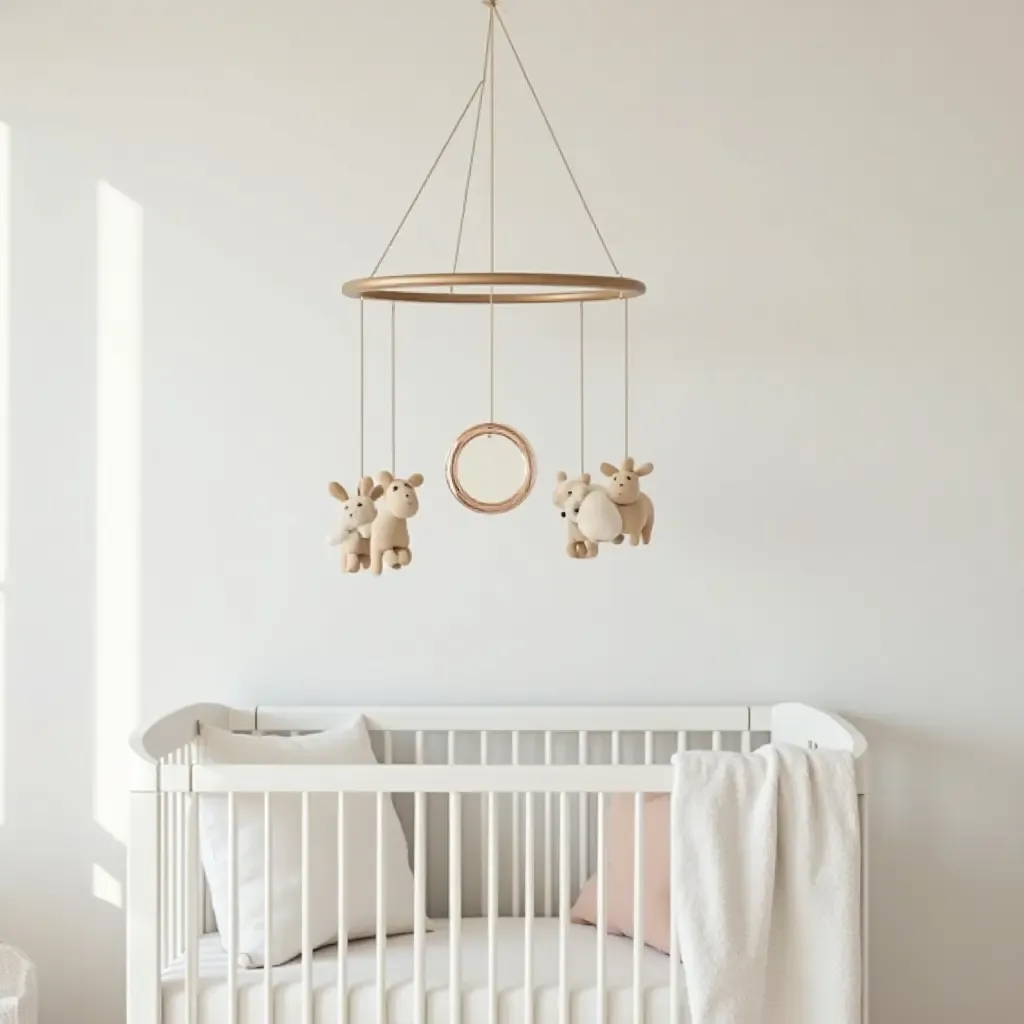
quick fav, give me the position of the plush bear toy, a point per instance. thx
(636, 508)
(568, 496)
(389, 534)
(357, 516)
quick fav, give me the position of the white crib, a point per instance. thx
(504, 809)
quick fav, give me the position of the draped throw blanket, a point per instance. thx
(766, 868)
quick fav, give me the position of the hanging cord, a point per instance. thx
(394, 461)
(433, 167)
(582, 417)
(472, 150)
(362, 389)
(625, 373)
(554, 138)
(494, 11)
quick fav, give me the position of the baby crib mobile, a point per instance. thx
(373, 531)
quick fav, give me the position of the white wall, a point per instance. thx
(826, 203)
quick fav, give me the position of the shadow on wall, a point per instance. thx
(71, 660)
(960, 895)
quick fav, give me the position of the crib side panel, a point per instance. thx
(528, 747)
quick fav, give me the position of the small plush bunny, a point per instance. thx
(636, 508)
(389, 534)
(357, 516)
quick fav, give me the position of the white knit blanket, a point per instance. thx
(766, 867)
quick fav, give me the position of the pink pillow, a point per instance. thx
(619, 824)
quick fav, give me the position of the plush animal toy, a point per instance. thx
(636, 508)
(357, 516)
(598, 518)
(389, 534)
(568, 496)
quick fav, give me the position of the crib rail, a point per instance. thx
(411, 779)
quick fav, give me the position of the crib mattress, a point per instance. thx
(362, 993)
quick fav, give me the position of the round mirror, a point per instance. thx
(491, 468)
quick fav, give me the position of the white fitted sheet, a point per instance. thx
(362, 969)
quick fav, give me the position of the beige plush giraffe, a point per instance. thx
(389, 533)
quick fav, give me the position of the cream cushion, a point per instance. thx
(348, 745)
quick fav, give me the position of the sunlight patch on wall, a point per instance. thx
(5, 351)
(118, 497)
(107, 888)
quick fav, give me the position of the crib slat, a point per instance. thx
(382, 940)
(307, 944)
(454, 897)
(232, 908)
(419, 924)
(191, 758)
(164, 876)
(549, 839)
(745, 742)
(638, 887)
(516, 855)
(191, 905)
(583, 836)
(177, 873)
(529, 843)
(421, 759)
(381, 917)
(420, 883)
(492, 909)
(484, 811)
(563, 908)
(616, 759)
(268, 912)
(673, 968)
(638, 905)
(602, 911)
(342, 917)
(716, 740)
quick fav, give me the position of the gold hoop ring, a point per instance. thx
(566, 288)
(452, 468)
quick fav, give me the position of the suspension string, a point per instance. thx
(625, 374)
(582, 417)
(394, 461)
(433, 167)
(362, 389)
(472, 150)
(492, 126)
(554, 138)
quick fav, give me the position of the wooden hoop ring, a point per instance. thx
(571, 288)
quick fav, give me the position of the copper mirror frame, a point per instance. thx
(491, 430)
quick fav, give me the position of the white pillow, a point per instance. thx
(350, 745)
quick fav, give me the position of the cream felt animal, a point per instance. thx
(389, 534)
(636, 508)
(357, 516)
(598, 518)
(568, 497)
